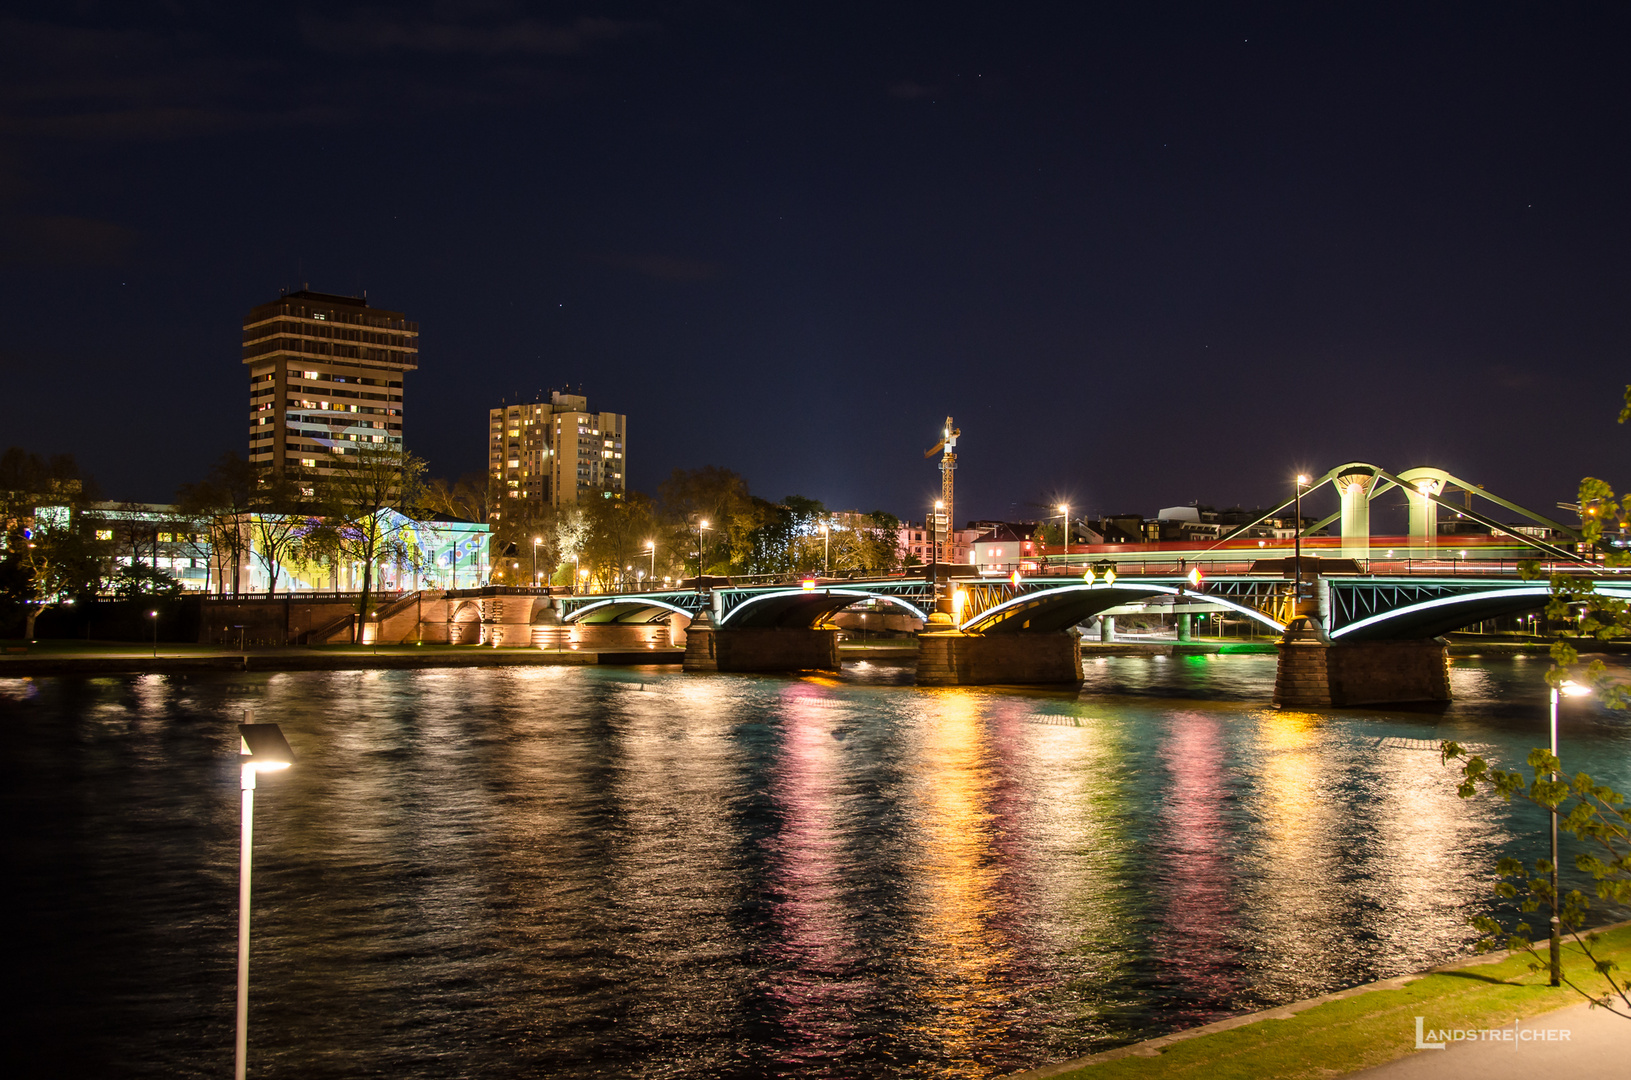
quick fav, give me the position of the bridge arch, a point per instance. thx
(803, 608)
(626, 610)
(1430, 618)
(464, 624)
(1060, 608)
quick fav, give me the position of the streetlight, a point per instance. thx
(155, 617)
(1297, 542)
(1064, 512)
(535, 542)
(826, 550)
(651, 549)
(702, 528)
(1569, 688)
(262, 748)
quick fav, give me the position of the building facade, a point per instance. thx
(325, 379)
(555, 452)
(918, 540)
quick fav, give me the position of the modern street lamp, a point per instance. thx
(826, 550)
(262, 748)
(1297, 547)
(155, 617)
(535, 542)
(1569, 688)
(651, 549)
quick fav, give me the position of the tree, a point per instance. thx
(1590, 812)
(217, 506)
(359, 501)
(721, 498)
(615, 532)
(138, 581)
(46, 558)
(281, 521)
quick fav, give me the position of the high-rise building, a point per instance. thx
(325, 377)
(555, 451)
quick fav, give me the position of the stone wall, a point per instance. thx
(1313, 674)
(955, 659)
(280, 620)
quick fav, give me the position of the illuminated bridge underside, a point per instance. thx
(1055, 608)
(802, 608)
(1380, 610)
(633, 612)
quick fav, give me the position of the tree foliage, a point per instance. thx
(1586, 810)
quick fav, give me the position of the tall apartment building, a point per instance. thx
(325, 377)
(553, 451)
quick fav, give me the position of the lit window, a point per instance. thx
(310, 463)
(104, 534)
(165, 538)
(309, 374)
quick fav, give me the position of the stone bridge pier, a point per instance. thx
(1313, 673)
(759, 649)
(952, 658)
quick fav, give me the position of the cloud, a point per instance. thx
(63, 241)
(381, 31)
(663, 267)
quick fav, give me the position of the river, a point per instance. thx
(574, 872)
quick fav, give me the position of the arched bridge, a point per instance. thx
(1352, 607)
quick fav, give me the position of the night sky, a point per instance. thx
(1144, 253)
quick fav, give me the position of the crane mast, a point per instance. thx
(948, 465)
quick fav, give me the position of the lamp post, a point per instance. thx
(262, 748)
(651, 549)
(155, 617)
(1064, 512)
(702, 528)
(1569, 688)
(826, 550)
(535, 542)
(1297, 547)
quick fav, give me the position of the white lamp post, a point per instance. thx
(155, 617)
(651, 549)
(826, 551)
(262, 749)
(1569, 689)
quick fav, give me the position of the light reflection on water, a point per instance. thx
(575, 871)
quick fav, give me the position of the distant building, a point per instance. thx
(1005, 549)
(553, 452)
(325, 378)
(917, 540)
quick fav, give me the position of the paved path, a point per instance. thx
(1578, 1043)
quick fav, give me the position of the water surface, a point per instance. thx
(596, 872)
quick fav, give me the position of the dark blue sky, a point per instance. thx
(1144, 254)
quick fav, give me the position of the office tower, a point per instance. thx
(554, 452)
(325, 378)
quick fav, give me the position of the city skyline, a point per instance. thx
(1136, 267)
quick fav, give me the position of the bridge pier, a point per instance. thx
(711, 648)
(1314, 673)
(957, 659)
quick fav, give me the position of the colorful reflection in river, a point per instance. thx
(580, 872)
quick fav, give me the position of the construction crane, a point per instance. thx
(948, 465)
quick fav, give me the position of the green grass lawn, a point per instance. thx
(1370, 1028)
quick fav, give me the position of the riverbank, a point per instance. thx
(1365, 1027)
